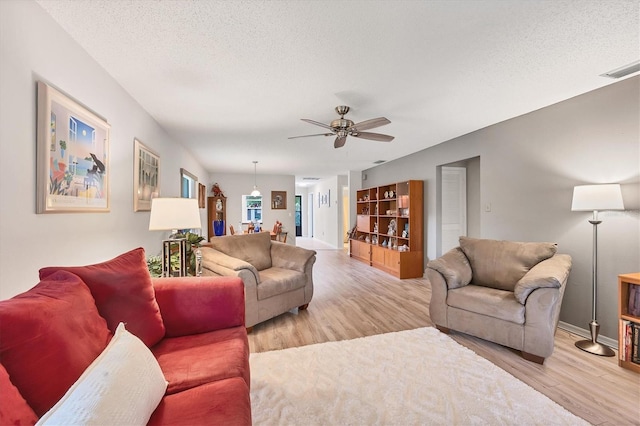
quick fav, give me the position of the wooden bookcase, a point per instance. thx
(624, 282)
(397, 250)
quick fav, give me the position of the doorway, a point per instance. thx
(298, 214)
(457, 203)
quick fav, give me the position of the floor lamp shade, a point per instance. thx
(174, 213)
(594, 198)
(597, 197)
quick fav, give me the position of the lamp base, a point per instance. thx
(592, 346)
(595, 348)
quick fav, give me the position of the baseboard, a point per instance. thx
(612, 343)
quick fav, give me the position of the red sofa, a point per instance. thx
(194, 327)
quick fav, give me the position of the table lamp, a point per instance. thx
(175, 214)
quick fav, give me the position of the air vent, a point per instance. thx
(623, 71)
(310, 178)
(379, 161)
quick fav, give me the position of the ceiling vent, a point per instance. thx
(623, 71)
(379, 162)
(310, 178)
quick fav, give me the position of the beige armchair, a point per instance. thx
(506, 292)
(277, 277)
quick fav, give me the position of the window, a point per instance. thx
(251, 208)
(188, 184)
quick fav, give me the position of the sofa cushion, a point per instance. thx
(123, 386)
(50, 335)
(500, 304)
(252, 248)
(191, 361)
(123, 292)
(223, 402)
(14, 410)
(500, 264)
(454, 267)
(276, 281)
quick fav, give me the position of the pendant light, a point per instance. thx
(255, 192)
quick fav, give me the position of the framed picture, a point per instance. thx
(279, 200)
(72, 156)
(146, 177)
(202, 196)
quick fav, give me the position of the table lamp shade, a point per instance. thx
(174, 213)
(597, 197)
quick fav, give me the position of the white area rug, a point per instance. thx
(410, 377)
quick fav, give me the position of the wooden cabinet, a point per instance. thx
(216, 210)
(626, 320)
(390, 228)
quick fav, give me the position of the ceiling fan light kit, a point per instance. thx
(343, 127)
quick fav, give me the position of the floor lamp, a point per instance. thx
(174, 214)
(595, 198)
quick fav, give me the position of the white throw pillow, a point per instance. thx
(123, 386)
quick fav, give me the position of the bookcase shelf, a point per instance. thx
(400, 252)
(625, 281)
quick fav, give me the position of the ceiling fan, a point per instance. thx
(343, 127)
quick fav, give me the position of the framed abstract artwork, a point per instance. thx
(72, 156)
(146, 177)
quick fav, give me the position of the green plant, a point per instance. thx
(63, 144)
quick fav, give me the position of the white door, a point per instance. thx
(454, 206)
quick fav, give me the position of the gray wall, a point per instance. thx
(33, 47)
(528, 168)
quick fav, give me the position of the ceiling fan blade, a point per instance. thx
(374, 136)
(317, 123)
(340, 140)
(370, 124)
(308, 136)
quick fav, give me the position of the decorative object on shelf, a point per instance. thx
(175, 214)
(146, 177)
(218, 227)
(392, 227)
(76, 179)
(384, 243)
(279, 200)
(386, 194)
(367, 239)
(595, 198)
(255, 191)
(403, 247)
(375, 227)
(216, 190)
(374, 239)
(391, 194)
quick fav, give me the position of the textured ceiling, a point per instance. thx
(231, 79)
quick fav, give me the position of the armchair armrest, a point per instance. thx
(191, 305)
(223, 264)
(550, 273)
(290, 257)
(454, 268)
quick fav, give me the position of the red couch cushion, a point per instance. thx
(123, 292)
(225, 402)
(14, 410)
(50, 335)
(190, 361)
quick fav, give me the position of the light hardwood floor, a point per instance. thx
(354, 300)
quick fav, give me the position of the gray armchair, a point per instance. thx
(506, 292)
(277, 277)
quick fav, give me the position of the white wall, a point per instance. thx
(528, 168)
(235, 186)
(32, 48)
